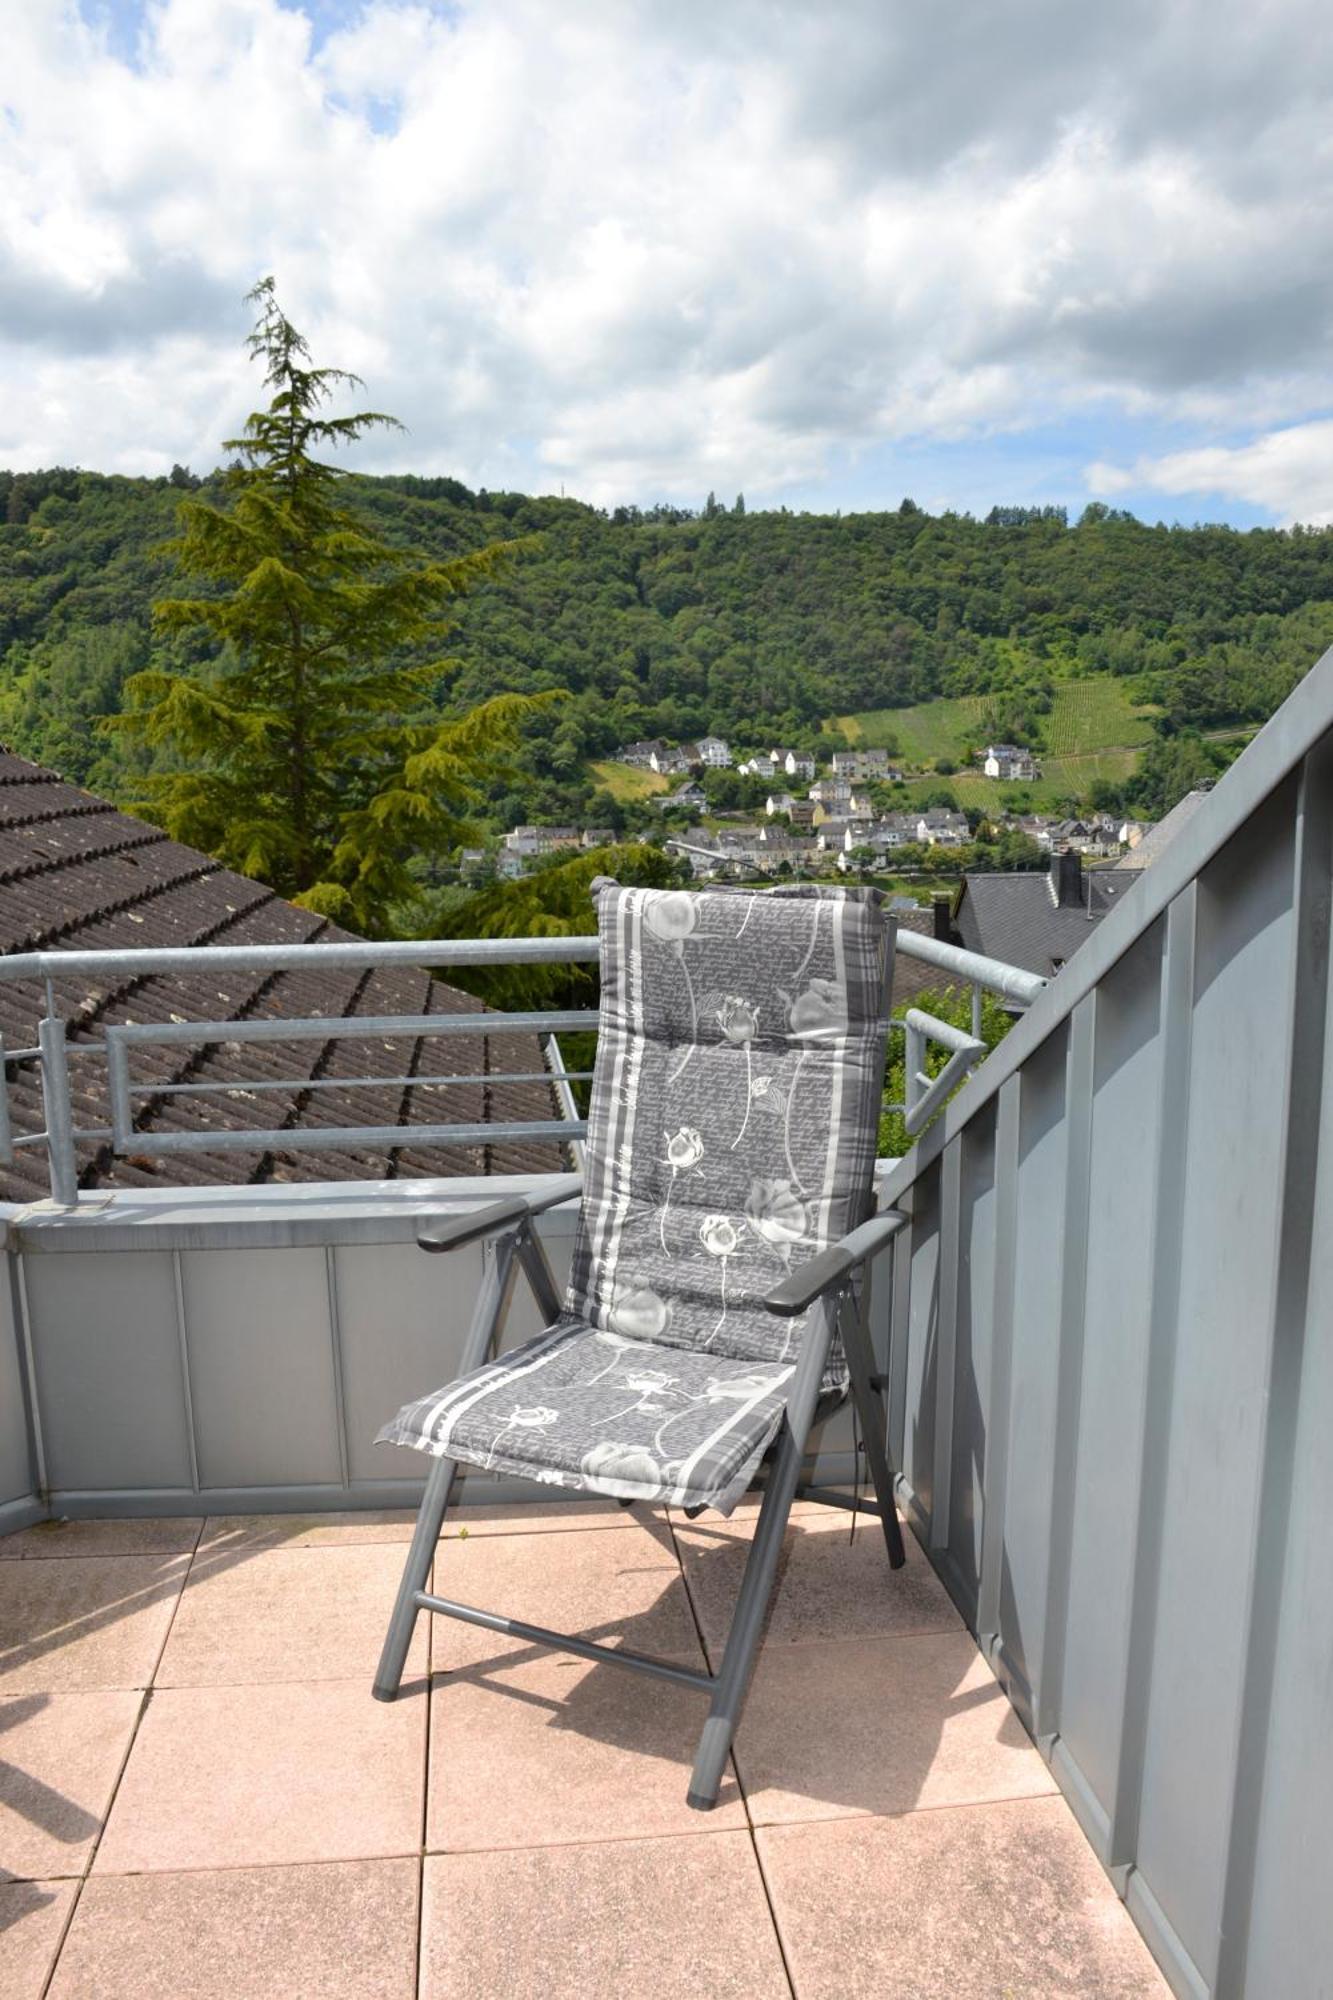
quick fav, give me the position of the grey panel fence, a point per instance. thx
(1111, 1376)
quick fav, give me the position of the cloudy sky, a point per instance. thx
(826, 252)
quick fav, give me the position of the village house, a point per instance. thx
(1008, 760)
(528, 842)
(860, 766)
(641, 754)
(690, 795)
(715, 752)
(831, 835)
(834, 794)
(896, 830)
(939, 827)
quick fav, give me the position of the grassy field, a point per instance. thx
(628, 782)
(1087, 717)
(1062, 778)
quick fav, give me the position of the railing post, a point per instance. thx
(60, 1160)
(914, 1059)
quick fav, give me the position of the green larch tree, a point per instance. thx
(310, 753)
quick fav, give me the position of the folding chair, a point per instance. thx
(712, 1308)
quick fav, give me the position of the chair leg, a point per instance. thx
(870, 1409)
(487, 1319)
(733, 1679)
(430, 1519)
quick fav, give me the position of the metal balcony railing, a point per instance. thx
(123, 1091)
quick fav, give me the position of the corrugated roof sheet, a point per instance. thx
(77, 874)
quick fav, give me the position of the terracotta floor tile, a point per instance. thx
(32, 1918)
(555, 1749)
(148, 1537)
(880, 1726)
(617, 1589)
(683, 1916)
(343, 1931)
(831, 1584)
(977, 1904)
(304, 1531)
(60, 1756)
(256, 1614)
(85, 1622)
(229, 1777)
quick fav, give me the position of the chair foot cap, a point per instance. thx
(385, 1694)
(698, 1803)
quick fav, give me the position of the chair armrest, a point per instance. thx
(824, 1271)
(450, 1232)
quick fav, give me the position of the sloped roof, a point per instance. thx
(77, 874)
(1016, 917)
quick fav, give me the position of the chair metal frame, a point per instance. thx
(825, 1284)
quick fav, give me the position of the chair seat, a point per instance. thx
(599, 1412)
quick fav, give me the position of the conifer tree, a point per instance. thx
(310, 754)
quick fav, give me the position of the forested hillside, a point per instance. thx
(760, 625)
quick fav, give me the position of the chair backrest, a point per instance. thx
(735, 1106)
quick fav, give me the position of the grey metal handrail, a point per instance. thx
(54, 1050)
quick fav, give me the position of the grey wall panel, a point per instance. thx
(1291, 1928)
(918, 1336)
(106, 1350)
(262, 1372)
(403, 1318)
(1232, 1176)
(18, 1475)
(1034, 1364)
(1127, 1096)
(971, 1385)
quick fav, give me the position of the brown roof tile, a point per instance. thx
(76, 874)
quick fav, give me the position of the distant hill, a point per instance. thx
(762, 625)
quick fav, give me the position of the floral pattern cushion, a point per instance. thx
(735, 1108)
(731, 1136)
(596, 1411)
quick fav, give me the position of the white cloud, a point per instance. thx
(1289, 471)
(644, 251)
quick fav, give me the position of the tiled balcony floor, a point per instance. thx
(199, 1800)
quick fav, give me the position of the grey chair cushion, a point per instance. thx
(731, 1136)
(735, 1108)
(598, 1412)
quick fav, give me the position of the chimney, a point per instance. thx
(943, 924)
(1067, 880)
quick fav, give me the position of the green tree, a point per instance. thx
(553, 901)
(307, 753)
